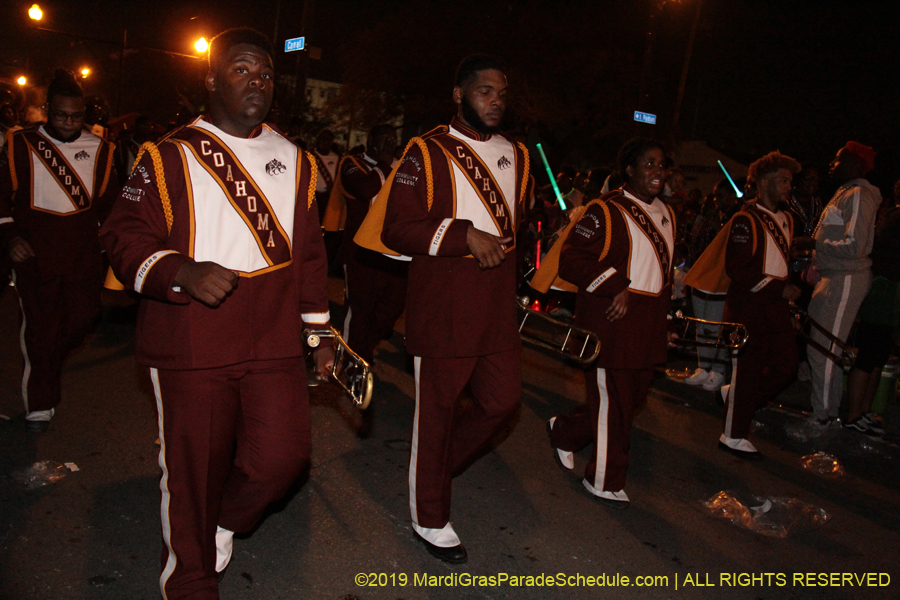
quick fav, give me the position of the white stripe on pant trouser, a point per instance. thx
(417, 361)
(349, 310)
(164, 488)
(602, 431)
(834, 327)
(26, 372)
(729, 401)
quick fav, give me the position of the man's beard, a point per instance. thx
(472, 118)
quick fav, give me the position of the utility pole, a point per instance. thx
(686, 67)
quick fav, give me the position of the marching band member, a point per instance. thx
(756, 243)
(454, 205)
(619, 255)
(218, 228)
(58, 187)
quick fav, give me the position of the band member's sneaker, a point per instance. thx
(739, 447)
(614, 499)
(565, 460)
(224, 549)
(442, 544)
(698, 378)
(714, 381)
(38, 421)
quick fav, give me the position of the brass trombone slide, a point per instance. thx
(730, 336)
(563, 338)
(356, 376)
(839, 351)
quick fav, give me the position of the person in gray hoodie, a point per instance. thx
(842, 243)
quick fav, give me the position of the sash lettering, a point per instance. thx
(242, 192)
(57, 165)
(639, 217)
(777, 234)
(489, 190)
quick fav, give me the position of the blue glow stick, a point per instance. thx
(559, 197)
(739, 193)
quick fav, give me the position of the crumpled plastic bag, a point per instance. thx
(822, 464)
(40, 474)
(770, 516)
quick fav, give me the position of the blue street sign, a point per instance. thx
(643, 117)
(297, 44)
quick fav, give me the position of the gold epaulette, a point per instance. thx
(151, 149)
(426, 159)
(313, 174)
(526, 172)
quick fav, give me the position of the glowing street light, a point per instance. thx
(35, 12)
(85, 72)
(21, 80)
(201, 45)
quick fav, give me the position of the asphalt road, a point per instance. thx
(95, 533)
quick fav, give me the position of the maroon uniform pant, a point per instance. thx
(57, 313)
(447, 435)
(612, 396)
(764, 368)
(375, 298)
(232, 440)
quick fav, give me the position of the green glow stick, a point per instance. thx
(559, 197)
(739, 193)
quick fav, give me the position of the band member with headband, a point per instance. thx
(454, 205)
(57, 185)
(750, 258)
(619, 255)
(218, 229)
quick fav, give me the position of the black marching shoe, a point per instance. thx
(455, 555)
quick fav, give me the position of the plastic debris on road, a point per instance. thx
(679, 373)
(769, 516)
(822, 464)
(40, 474)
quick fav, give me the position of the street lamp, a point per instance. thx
(21, 80)
(201, 45)
(85, 72)
(35, 12)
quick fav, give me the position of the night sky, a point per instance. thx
(803, 77)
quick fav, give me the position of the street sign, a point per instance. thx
(297, 44)
(643, 117)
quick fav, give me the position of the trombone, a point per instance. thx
(356, 378)
(730, 336)
(563, 338)
(839, 351)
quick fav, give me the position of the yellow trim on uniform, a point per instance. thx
(313, 175)
(156, 157)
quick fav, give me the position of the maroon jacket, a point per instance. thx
(454, 308)
(751, 300)
(264, 317)
(596, 257)
(64, 243)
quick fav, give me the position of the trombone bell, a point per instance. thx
(356, 377)
(563, 338)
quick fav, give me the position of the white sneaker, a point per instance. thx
(714, 381)
(224, 548)
(40, 415)
(698, 378)
(566, 460)
(739, 447)
(616, 499)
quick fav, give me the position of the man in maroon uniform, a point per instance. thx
(375, 284)
(619, 255)
(218, 229)
(59, 184)
(454, 206)
(757, 258)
